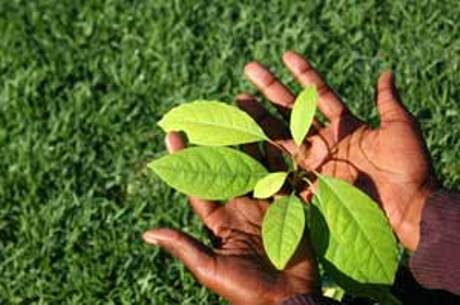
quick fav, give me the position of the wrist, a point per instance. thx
(409, 230)
(432, 262)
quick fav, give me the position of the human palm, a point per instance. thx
(390, 163)
(237, 268)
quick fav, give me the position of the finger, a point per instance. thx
(273, 90)
(328, 103)
(174, 142)
(273, 127)
(203, 208)
(389, 105)
(192, 253)
(270, 86)
(253, 150)
(274, 158)
(246, 101)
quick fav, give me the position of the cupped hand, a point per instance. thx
(390, 162)
(237, 268)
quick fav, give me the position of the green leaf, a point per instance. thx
(335, 293)
(303, 113)
(353, 239)
(269, 185)
(214, 173)
(213, 123)
(282, 229)
(390, 299)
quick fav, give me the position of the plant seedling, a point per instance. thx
(349, 232)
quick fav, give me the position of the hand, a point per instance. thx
(389, 163)
(238, 268)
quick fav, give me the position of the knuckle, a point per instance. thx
(268, 83)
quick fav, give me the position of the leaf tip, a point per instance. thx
(152, 165)
(269, 185)
(258, 195)
(279, 266)
(298, 141)
(303, 113)
(162, 123)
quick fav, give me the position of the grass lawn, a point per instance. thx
(82, 84)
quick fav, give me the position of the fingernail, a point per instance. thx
(150, 238)
(289, 54)
(256, 70)
(174, 141)
(168, 144)
(244, 97)
(169, 141)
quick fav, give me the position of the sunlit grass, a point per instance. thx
(82, 86)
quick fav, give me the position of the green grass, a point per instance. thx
(82, 86)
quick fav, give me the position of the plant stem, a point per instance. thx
(284, 150)
(307, 181)
(280, 147)
(294, 165)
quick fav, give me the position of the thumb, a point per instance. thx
(175, 141)
(192, 253)
(388, 103)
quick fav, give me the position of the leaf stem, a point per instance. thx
(316, 173)
(280, 147)
(307, 181)
(294, 164)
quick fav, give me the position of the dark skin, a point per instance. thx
(238, 269)
(390, 163)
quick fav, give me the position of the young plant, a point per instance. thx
(349, 233)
